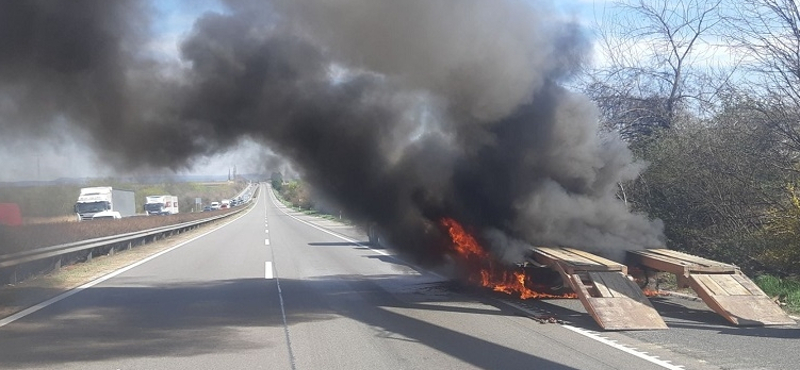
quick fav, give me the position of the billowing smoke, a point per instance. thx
(400, 112)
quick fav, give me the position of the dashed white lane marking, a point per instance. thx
(266, 231)
(266, 241)
(268, 271)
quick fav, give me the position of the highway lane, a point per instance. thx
(698, 332)
(271, 291)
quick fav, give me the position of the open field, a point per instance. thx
(54, 203)
(31, 236)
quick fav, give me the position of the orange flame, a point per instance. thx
(652, 293)
(484, 270)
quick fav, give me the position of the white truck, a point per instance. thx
(105, 202)
(161, 205)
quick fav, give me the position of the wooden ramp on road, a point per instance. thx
(721, 286)
(614, 301)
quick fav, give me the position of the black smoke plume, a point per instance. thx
(400, 112)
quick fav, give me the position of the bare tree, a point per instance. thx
(651, 55)
(767, 32)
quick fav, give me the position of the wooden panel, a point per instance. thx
(749, 285)
(695, 260)
(753, 311)
(740, 308)
(622, 286)
(698, 262)
(600, 285)
(566, 256)
(573, 262)
(679, 263)
(599, 260)
(722, 287)
(656, 254)
(708, 284)
(731, 286)
(624, 309)
(659, 262)
(624, 314)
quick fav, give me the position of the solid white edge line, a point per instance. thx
(332, 233)
(73, 291)
(268, 271)
(613, 344)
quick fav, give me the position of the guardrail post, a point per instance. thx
(89, 256)
(57, 264)
(12, 278)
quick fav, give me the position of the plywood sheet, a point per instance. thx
(619, 303)
(738, 299)
(679, 263)
(573, 260)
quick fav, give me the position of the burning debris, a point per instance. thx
(401, 112)
(484, 270)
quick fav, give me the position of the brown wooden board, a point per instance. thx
(678, 263)
(572, 260)
(738, 299)
(690, 258)
(618, 303)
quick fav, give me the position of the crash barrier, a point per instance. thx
(723, 287)
(15, 267)
(614, 301)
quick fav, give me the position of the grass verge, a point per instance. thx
(787, 291)
(310, 211)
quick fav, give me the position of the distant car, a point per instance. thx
(215, 206)
(207, 208)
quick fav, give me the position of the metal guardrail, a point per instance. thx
(12, 260)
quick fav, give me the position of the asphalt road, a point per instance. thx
(278, 290)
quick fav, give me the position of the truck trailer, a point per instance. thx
(105, 202)
(161, 205)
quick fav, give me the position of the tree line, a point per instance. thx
(708, 94)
